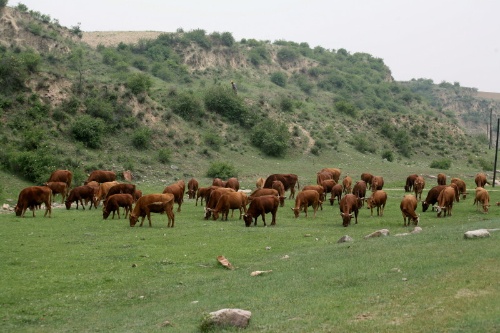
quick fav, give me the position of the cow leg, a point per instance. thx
(149, 219)
(273, 215)
(118, 211)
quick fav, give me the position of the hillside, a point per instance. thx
(161, 105)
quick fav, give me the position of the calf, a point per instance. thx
(192, 188)
(278, 186)
(349, 207)
(377, 199)
(482, 197)
(79, 194)
(321, 191)
(480, 180)
(202, 193)
(347, 184)
(153, 203)
(260, 206)
(367, 178)
(432, 197)
(58, 188)
(408, 207)
(230, 200)
(410, 180)
(418, 187)
(377, 183)
(359, 190)
(336, 193)
(304, 199)
(120, 189)
(259, 183)
(103, 191)
(213, 199)
(33, 196)
(445, 201)
(328, 185)
(266, 191)
(441, 179)
(114, 202)
(177, 189)
(462, 188)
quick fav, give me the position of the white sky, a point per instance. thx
(442, 40)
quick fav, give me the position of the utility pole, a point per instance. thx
(491, 128)
(496, 154)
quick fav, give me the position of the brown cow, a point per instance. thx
(367, 178)
(441, 179)
(336, 193)
(347, 185)
(101, 176)
(328, 185)
(359, 190)
(260, 206)
(482, 197)
(137, 195)
(79, 194)
(377, 183)
(267, 191)
(408, 207)
(432, 197)
(259, 183)
(462, 188)
(322, 176)
(103, 191)
(378, 199)
(218, 182)
(335, 173)
(64, 176)
(445, 201)
(33, 196)
(153, 203)
(480, 180)
(418, 187)
(306, 198)
(120, 189)
(410, 181)
(289, 181)
(349, 208)
(192, 188)
(227, 201)
(278, 186)
(321, 191)
(202, 193)
(114, 202)
(233, 183)
(58, 188)
(211, 202)
(177, 189)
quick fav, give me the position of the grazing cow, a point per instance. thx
(64, 176)
(377, 199)
(101, 176)
(79, 194)
(408, 207)
(266, 191)
(218, 182)
(192, 188)
(278, 186)
(349, 207)
(462, 188)
(480, 180)
(334, 172)
(322, 176)
(259, 183)
(410, 181)
(367, 178)
(260, 206)
(120, 189)
(233, 183)
(336, 193)
(227, 201)
(114, 202)
(441, 179)
(457, 191)
(202, 193)
(103, 191)
(418, 187)
(328, 185)
(482, 197)
(33, 196)
(359, 190)
(153, 203)
(347, 184)
(58, 188)
(177, 189)
(432, 197)
(137, 195)
(213, 198)
(320, 190)
(377, 183)
(445, 201)
(304, 199)
(289, 181)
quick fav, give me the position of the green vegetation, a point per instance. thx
(221, 170)
(444, 164)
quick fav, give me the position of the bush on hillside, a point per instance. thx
(187, 106)
(34, 166)
(141, 138)
(444, 164)
(279, 79)
(88, 130)
(226, 103)
(164, 155)
(271, 138)
(139, 83)
(221, 170)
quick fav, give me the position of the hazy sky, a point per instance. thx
(442, 40)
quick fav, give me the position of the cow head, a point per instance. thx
(296, 212)
(416, 220)
(346, 218)
(282, 201)
(369, 203)
(18, 210)
(215, 214)
(68, 204)
(105, 214)
(248, 219)
(425, 205)
(208, 213)
(132, 219)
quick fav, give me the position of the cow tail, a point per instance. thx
(298, 185)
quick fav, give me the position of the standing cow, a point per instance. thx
(349, 208)
(31, 197)
(64, 176)
(192, 188)
(304, 199)
(408, 208)
(260, 206)
(378, 199)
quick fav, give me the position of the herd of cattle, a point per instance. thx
(222, 196)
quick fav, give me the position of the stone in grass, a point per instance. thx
(226, 317)
(480, 233)
(345, 239)
(378, 233)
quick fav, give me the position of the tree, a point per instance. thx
(77, 60)
(3, 3)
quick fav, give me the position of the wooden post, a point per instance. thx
(496, 154)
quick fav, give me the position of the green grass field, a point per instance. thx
(77, 272)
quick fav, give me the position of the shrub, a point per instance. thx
(271, 138)
(346, 108)
(363, 144)
(98, 107)
(221, 170)
(187, 106)
(485, 165)
(287, 54)
(286, 104)
(224, 102)
(164, 155)
(227, 39)
(213, 140)
(444, 164)
(139, 83)
(388, 155)
(141, 138)
(279, 79)
(88, 130)
(34, 166)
